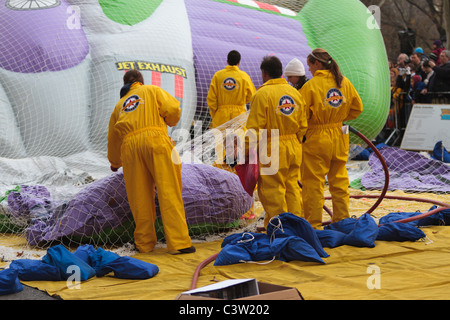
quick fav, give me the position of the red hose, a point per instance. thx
(421, 216)
(199, 268)
(383, 163)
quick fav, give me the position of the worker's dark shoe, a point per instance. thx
(181, 251)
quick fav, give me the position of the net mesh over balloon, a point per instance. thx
(57, 92)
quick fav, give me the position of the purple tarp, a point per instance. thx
(408, 171)
(210, 195)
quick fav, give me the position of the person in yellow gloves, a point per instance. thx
(138, 141)
(280, 108)
(331, 99)
(230, 90)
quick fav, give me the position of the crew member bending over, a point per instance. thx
(139, 142)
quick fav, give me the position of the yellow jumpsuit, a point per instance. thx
(325, 151)
(230, 90)
(277, 105)
(138, 140)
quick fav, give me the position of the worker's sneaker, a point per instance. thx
(181, 251)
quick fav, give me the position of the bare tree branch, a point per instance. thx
(400, 10)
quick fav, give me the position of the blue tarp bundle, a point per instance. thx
(399, 232)
(360, 232)
(9, 282)
(440, 152)
(441, 218)
(288, 238)
(363, 232)
(291, 238)
(54, 266)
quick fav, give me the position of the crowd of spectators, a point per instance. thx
(417, 78)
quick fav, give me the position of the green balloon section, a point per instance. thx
(129, 12)
(354, 40)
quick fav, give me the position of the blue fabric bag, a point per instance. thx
(345, 226)
(396, 216)
(9, 282)
(364, 233)
(399, 232)
(253, 247)
(295, 248)
(100, 258)
(360, 232)
(441, 218)
(330, 238)
(128, 268)
(232, 254)
(288, 224)
(35, 270)
(84, 252)
(62, 258)
(244, 237)
(244, 247)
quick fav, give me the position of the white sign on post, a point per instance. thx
(427, 124)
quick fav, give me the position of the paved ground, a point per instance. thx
(28, 293)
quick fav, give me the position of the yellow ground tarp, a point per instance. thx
(391, 270)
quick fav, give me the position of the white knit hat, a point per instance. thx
(294, 68)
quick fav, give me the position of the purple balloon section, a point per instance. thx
(34, 41)
(219, 27)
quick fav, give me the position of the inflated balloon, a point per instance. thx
(62, 61)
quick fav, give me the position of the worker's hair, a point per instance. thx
(133, 76)
(272, 66)
(233, 58)
(328, 63)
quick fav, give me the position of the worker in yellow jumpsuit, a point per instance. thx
(331, 99)
(280, 107)
(230, 90)
(138, 141)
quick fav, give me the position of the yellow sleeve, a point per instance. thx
(114, 141)
(303, 123)
(356, 105)
(257, 118)
(211, 99)
(306, 93)
(169, 109)
(250, 90)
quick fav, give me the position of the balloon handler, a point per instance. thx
(139, 142)
(331, 99)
